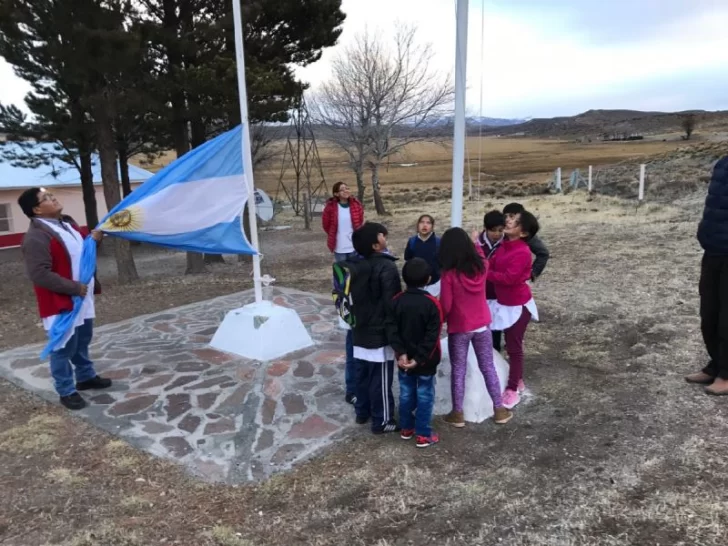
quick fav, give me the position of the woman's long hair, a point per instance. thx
(457, 252)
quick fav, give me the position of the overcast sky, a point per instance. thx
(544, 58)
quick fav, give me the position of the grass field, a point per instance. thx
(614, 449)
(502, 160)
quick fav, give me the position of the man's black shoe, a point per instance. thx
(73, 401)
(94, 383)
(361, 420)
(351, 399)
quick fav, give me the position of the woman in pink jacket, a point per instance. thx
(510, 269)
(462, 297)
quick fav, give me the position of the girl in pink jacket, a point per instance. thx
(462, 297)
(510, 269)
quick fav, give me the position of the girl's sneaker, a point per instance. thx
(502, 416)
(455, 418)
(407, 433)
(521, 387)
(510, 399)
(427, 441)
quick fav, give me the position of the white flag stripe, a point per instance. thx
(192, 206)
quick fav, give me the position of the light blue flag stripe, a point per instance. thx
(193, 204)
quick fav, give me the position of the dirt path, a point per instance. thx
(614, 449)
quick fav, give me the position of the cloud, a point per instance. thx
(553, 57)
(614, 21)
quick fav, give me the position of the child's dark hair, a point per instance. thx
(416, 273)
(494, 219)
(335, 189)
(366, 237)
(457, 252)
(28, 200)
(529, 224)
(429, 217)
(513, 208)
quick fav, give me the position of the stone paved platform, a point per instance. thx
(223, 417)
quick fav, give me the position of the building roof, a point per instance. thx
(56, 173)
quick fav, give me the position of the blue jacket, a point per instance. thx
(713, 228)
(427, 250)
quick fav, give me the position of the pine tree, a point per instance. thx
(80, 51)
(197, 72)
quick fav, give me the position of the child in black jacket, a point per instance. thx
(418, 320)
(373, 354)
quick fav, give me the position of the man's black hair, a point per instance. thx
(416, 273)
(494, 219)
(529, 224)
(28, 200)
(366, 237)
(513, 208)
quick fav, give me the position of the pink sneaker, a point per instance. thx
(510, 399)
(521, 387)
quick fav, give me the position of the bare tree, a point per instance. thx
(381, 98)
(342, 109)
(688, 125)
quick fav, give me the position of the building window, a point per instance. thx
(5, 220)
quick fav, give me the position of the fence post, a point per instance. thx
(641, 195)
(558, 179)
(589, 185)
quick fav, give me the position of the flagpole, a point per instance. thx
(458, 156)
(247, 157)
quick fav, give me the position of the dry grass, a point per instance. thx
(221, 535)
(511, 160)
(38, 435)
(613, 449)
(106, 535)
(65, 477)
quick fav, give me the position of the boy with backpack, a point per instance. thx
(425, 245)
(418, 319)
(363, 294)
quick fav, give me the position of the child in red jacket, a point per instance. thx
(510, 269)
(462, 296)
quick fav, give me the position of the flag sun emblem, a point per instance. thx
(124, 220)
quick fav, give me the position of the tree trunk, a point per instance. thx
(124, 168)
(214, 259)
(378, 203)
(360, 186)
(89, 191)
(107, 155)
(246, 231)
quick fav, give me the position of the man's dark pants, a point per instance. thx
(714, 313)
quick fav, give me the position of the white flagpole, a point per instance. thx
(247, 157)
(458, 157)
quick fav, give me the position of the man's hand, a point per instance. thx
(97, 235)
(83, 290)
(474, 236)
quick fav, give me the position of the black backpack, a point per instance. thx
(351, 285)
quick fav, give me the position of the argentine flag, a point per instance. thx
(194, 204)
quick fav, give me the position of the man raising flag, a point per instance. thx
(52, 249)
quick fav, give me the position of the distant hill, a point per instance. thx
(598, 124)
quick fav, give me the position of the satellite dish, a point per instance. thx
(263, 206)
